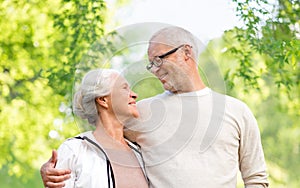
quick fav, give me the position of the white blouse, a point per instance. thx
(88, 162)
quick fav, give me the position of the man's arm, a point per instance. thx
(52, 177)
(251, 156)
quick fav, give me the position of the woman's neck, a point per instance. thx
(110, 130)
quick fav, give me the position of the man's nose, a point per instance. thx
(154, 69)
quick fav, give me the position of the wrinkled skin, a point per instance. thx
(52, 177)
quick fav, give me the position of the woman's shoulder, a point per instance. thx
(74, 144)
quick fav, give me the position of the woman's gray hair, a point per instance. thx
(95, 83)
(176, 36)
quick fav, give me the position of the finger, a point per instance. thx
(55, 185)
(58, 172)
(53, 158)
(58, 179)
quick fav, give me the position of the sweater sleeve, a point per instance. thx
(251, 157)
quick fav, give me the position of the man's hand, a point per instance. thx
(52, 177)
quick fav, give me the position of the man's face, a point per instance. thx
(172, 73)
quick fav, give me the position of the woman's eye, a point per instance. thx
(126, 87)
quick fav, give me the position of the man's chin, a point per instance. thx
(170, 88)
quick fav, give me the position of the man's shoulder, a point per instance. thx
(149, 99)
(230, 101)
(227, 97)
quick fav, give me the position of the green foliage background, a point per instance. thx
(42, 42)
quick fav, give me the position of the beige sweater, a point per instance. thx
(199, 139)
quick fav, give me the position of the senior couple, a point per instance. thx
(188, 136)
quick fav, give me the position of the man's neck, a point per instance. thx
(196, 85)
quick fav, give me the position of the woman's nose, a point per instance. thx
(133, 95)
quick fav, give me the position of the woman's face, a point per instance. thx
(122, 99)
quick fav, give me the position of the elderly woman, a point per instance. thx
(103, 158)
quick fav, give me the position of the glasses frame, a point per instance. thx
(158, 60)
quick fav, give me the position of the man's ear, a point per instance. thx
(102, 101)
(187, 51)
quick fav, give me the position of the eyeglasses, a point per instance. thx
(158, 60)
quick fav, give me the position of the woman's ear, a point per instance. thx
(102, 101)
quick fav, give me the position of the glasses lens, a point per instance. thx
(157, 61)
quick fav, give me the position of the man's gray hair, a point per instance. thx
(176, 36)
(96, 83)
